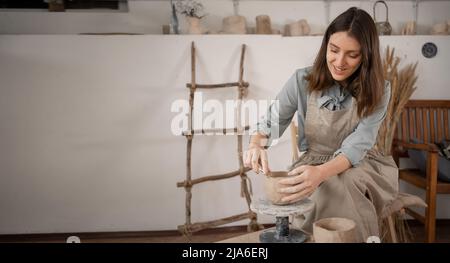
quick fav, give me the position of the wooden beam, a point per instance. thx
(189, 183)
(215, 86)
(216, 131)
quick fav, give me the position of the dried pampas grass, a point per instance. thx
(403, 83)
(402, 231)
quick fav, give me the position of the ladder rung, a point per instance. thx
(211, 178)
(223, 131)
(208, 224)
(221, 85)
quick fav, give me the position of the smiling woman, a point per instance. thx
(341, 102)
(343, 56)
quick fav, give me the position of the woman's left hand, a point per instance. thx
(307, 179)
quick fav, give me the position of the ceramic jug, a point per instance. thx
(383, 28)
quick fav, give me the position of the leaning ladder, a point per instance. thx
(188, 228)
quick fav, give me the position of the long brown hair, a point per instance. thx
(367, 82)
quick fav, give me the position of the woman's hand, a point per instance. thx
(256, 158)
(307, 179)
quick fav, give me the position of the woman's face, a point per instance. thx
(343, 55)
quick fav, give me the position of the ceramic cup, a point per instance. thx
(334, 230)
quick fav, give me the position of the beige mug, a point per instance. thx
(334, 230)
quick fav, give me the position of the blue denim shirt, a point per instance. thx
(294, 96)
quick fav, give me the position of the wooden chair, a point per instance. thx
(426, 121)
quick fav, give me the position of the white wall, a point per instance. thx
(85, 139)
(148, 16)
(85, 142)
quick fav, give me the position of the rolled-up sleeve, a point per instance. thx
(281, 111)
(363, 138)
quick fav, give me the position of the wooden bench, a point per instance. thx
(425, 121)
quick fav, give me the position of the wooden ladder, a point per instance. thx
(188, 228)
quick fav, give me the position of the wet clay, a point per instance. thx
(271, 187)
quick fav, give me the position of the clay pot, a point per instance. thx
(440, 29)
(334, 230)
(299, 28)
(234, 25)
(194, 25)
(263, 25)
(271, 187)
(409, 28)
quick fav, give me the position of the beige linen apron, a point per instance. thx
(359, 193)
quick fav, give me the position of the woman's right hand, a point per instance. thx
(256, 158)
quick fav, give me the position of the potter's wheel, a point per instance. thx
(282, 233)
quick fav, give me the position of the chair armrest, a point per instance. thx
(429, 147)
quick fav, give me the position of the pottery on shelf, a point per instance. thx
(234, 25)
(409, 28)
(383, 28)
(263, 25)
(299, 28)
(440, 29)
(194, 25)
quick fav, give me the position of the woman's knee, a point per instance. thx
(350, 177)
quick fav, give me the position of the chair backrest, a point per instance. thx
(424, 120)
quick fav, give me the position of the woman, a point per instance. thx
(341, 102)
